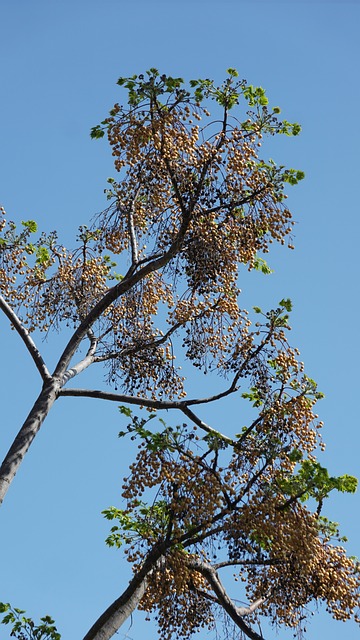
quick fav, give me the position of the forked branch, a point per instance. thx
(181, 405)
(236, 613)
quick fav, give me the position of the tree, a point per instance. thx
(155, 276)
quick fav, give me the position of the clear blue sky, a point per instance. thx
(59, 62)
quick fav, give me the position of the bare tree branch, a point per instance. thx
(85, 362)
(26, 338)
(131, 226)
(181, 405)
(118, 397)
(205, 427)
(135, 348)
(234, 205)
(234, 563)
(235, 613)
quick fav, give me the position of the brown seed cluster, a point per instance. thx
(177, 595)
(193, 193)
(306, 568)
(192, 204)
(232, 510)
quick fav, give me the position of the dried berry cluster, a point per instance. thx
(241, 509)
(192, 203)
(157, 277)
(179, 596)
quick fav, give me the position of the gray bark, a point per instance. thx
(235, 613)
(119, 611)
(52, 384)
(26, 434)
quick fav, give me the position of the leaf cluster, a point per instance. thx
(24, 628)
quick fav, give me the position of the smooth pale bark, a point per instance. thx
(235, 613)
(114, 617)
(117, 613)
(27, 433)
(26, 338)
(52, 386)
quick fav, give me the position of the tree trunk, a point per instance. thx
(111, 620)
(26, 434)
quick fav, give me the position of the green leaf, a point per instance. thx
(296, 128)
(261, 265)
(30, 225)
(281, 321)
(8, 618)
(346, 484)
(42, 255)
(290, 128)
(215, 441)
(232, 72)
(97, 132)
(293, 176)
(24, 627)
(286, 303)
(255, 396)
(126, 411)
(295, 455)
